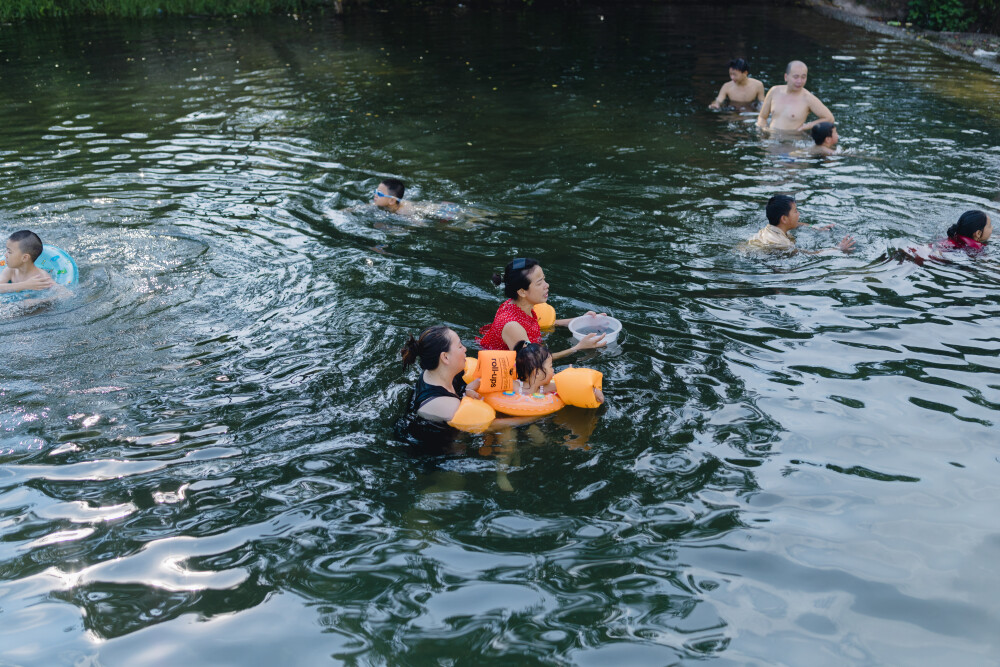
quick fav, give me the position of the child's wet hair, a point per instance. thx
(968, 224)
(515, 276)
(739, 64)
(530, 359)
(428, 348)
(820, 132)
(28, 242)
(394, 187)
(778, 206)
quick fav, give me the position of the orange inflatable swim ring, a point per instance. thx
(524, 405)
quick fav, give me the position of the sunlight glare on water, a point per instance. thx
(199, 459)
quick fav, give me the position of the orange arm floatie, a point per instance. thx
(576, 386)
(546, 315)
(472, 416)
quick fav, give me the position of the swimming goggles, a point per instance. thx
(382, 194)
(518, 264)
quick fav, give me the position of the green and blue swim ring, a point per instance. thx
(59, 265)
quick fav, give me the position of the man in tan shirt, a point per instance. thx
(789, 106)
(782, 217)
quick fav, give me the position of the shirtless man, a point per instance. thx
(789, 106)
(741, 89)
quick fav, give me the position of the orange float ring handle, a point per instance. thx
(546, 315)
(471, 370)
(472, 416)
(576, 386)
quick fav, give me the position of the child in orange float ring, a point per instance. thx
(525, 287)
(533, 365)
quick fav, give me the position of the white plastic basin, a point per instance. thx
(581, 326)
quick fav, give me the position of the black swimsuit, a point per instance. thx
(430, 437)
(424, 392)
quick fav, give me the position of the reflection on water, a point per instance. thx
(796, 460)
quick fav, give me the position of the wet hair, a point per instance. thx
(778, 206)
(739, 64)
(788, 67)
(28, 242)
(968, 224)
(394, 187)
(820, 131)
(515, 276)
(428, 348)
(530, 359)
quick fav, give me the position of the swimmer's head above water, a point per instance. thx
(739, 70)
(782, 212)
(973, 225)
(23, 248)
(389, 194)
(523, 278)
(796, 74)
(533, 364)
(825, 134)
(437, 345)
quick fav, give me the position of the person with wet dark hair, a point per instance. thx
(389, 196)
(972, 231)
(825, 136)
(524, 286)
(782, 217)
(533, 365)
(740, 90)
(440, 387)
(19, 272)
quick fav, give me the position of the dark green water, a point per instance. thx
(798, 459)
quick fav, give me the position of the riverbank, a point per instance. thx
(980, 48)
(14, 10)
(19, 10)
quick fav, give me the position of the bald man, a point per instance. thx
(788, 106)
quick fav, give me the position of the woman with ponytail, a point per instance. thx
(971, 231)
(524, 286)
(440, 387)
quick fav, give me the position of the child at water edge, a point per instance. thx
(20, 273)
(533, 365)
(782, 217)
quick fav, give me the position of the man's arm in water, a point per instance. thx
(760, 92)
(765, 109)
(845, 246)
(723, 93)
(823, 114)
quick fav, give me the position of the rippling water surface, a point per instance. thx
(798, 460)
